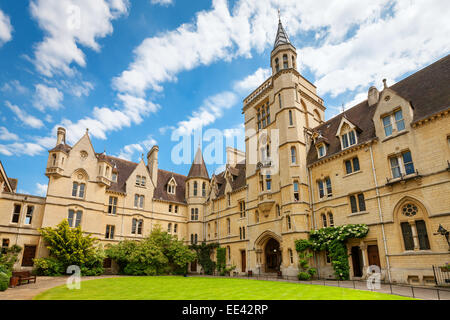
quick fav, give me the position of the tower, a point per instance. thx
(278, 115)
(197, 188)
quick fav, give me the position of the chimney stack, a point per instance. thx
(152, 163)
(373, 96)
(61, 136)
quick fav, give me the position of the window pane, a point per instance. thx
(320, 184)
(290, 118)
(355, 164)
(395, 168)
(353, 204)
(328, 182)
(399, 120)
(407, 160)
(387, 125)
(74, 189)
(78, 218)
(361, 202)
(70, 218)
(422, 235)
(344, 141)
(330, 218)
(407, 236)
(141, 202)
(324, 221)
(352, 138)
(348, 166)
(81, 194)
(136, 200)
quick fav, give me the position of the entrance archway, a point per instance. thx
(272, 255)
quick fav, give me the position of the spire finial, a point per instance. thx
(279, 16)
(384, 83)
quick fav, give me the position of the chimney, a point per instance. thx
(61, 136)
(234, 156)
(152, 163)
(373, 96)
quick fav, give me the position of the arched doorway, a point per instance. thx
(272, 254)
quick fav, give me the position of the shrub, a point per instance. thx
(48, 267)
(69, 246)
(303, 276)
(7, 260)
(159, 253)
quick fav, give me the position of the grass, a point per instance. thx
(204, 288)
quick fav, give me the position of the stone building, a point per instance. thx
(383, 162)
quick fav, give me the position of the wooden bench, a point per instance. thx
(24, 276)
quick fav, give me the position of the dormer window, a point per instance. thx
(347, 134)
(348, 139)
(171, 186)
(321, 150)
(114, 177)
(389, 120)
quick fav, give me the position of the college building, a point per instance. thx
(383, 163)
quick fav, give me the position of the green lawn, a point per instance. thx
(199, 288)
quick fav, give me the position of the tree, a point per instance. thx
(69, 246)
(159, 253)
(7, 260)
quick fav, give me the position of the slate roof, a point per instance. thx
(238, 171)
(282, 37)
(198, 168)
(62, 147)
(161, 188)
(428, 91)
(13, 182)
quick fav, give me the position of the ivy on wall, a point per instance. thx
(333, 240)
(221, 264)
(204, 252)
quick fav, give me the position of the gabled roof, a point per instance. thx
(198, 168)
(62, 147)
(282, 37)
(427, 90)
(238, 171)
(124, 169)
(161, 187)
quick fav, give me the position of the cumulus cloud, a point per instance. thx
(18, 149)
(47, 97)
(162, 2)
(128, 151)
(67, 25)
(14, 86)
(41, 189)
(212, 108)
(5, 28)
(6, 135)
(27, 119)
(252, 81)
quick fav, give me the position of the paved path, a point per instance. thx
(28, 291)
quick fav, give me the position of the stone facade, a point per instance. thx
(298, 173)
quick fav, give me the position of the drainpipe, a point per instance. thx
(381, 215)
(313, 215)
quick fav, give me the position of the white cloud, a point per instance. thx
(27, 119)
(5, 28)
(6, 135)
(41, 189)
(18, 149)
(14, 86)
(128, 151)
(211, 109)
(252, 81)
(162, 2)
(414, 35)
(68, 24)
(46, 97)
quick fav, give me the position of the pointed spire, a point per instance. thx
(282, 37)
(198, 168)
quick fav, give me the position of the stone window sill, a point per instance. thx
(351, 173)
(358, 213)
(393, 136)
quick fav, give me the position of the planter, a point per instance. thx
(13, 282)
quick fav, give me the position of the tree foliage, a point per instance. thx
(204, 252)
(69, 246)
(7, 260)
(221, 260)
(159, 253)
(333, 240)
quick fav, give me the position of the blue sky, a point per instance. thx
(134, 72)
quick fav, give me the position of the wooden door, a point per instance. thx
(374, 257)
(29, 253)
(243, 261)
(356, 259)
(194, 266)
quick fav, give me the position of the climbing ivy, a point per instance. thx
(333, 240)
(221, 257)
(204, 252)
